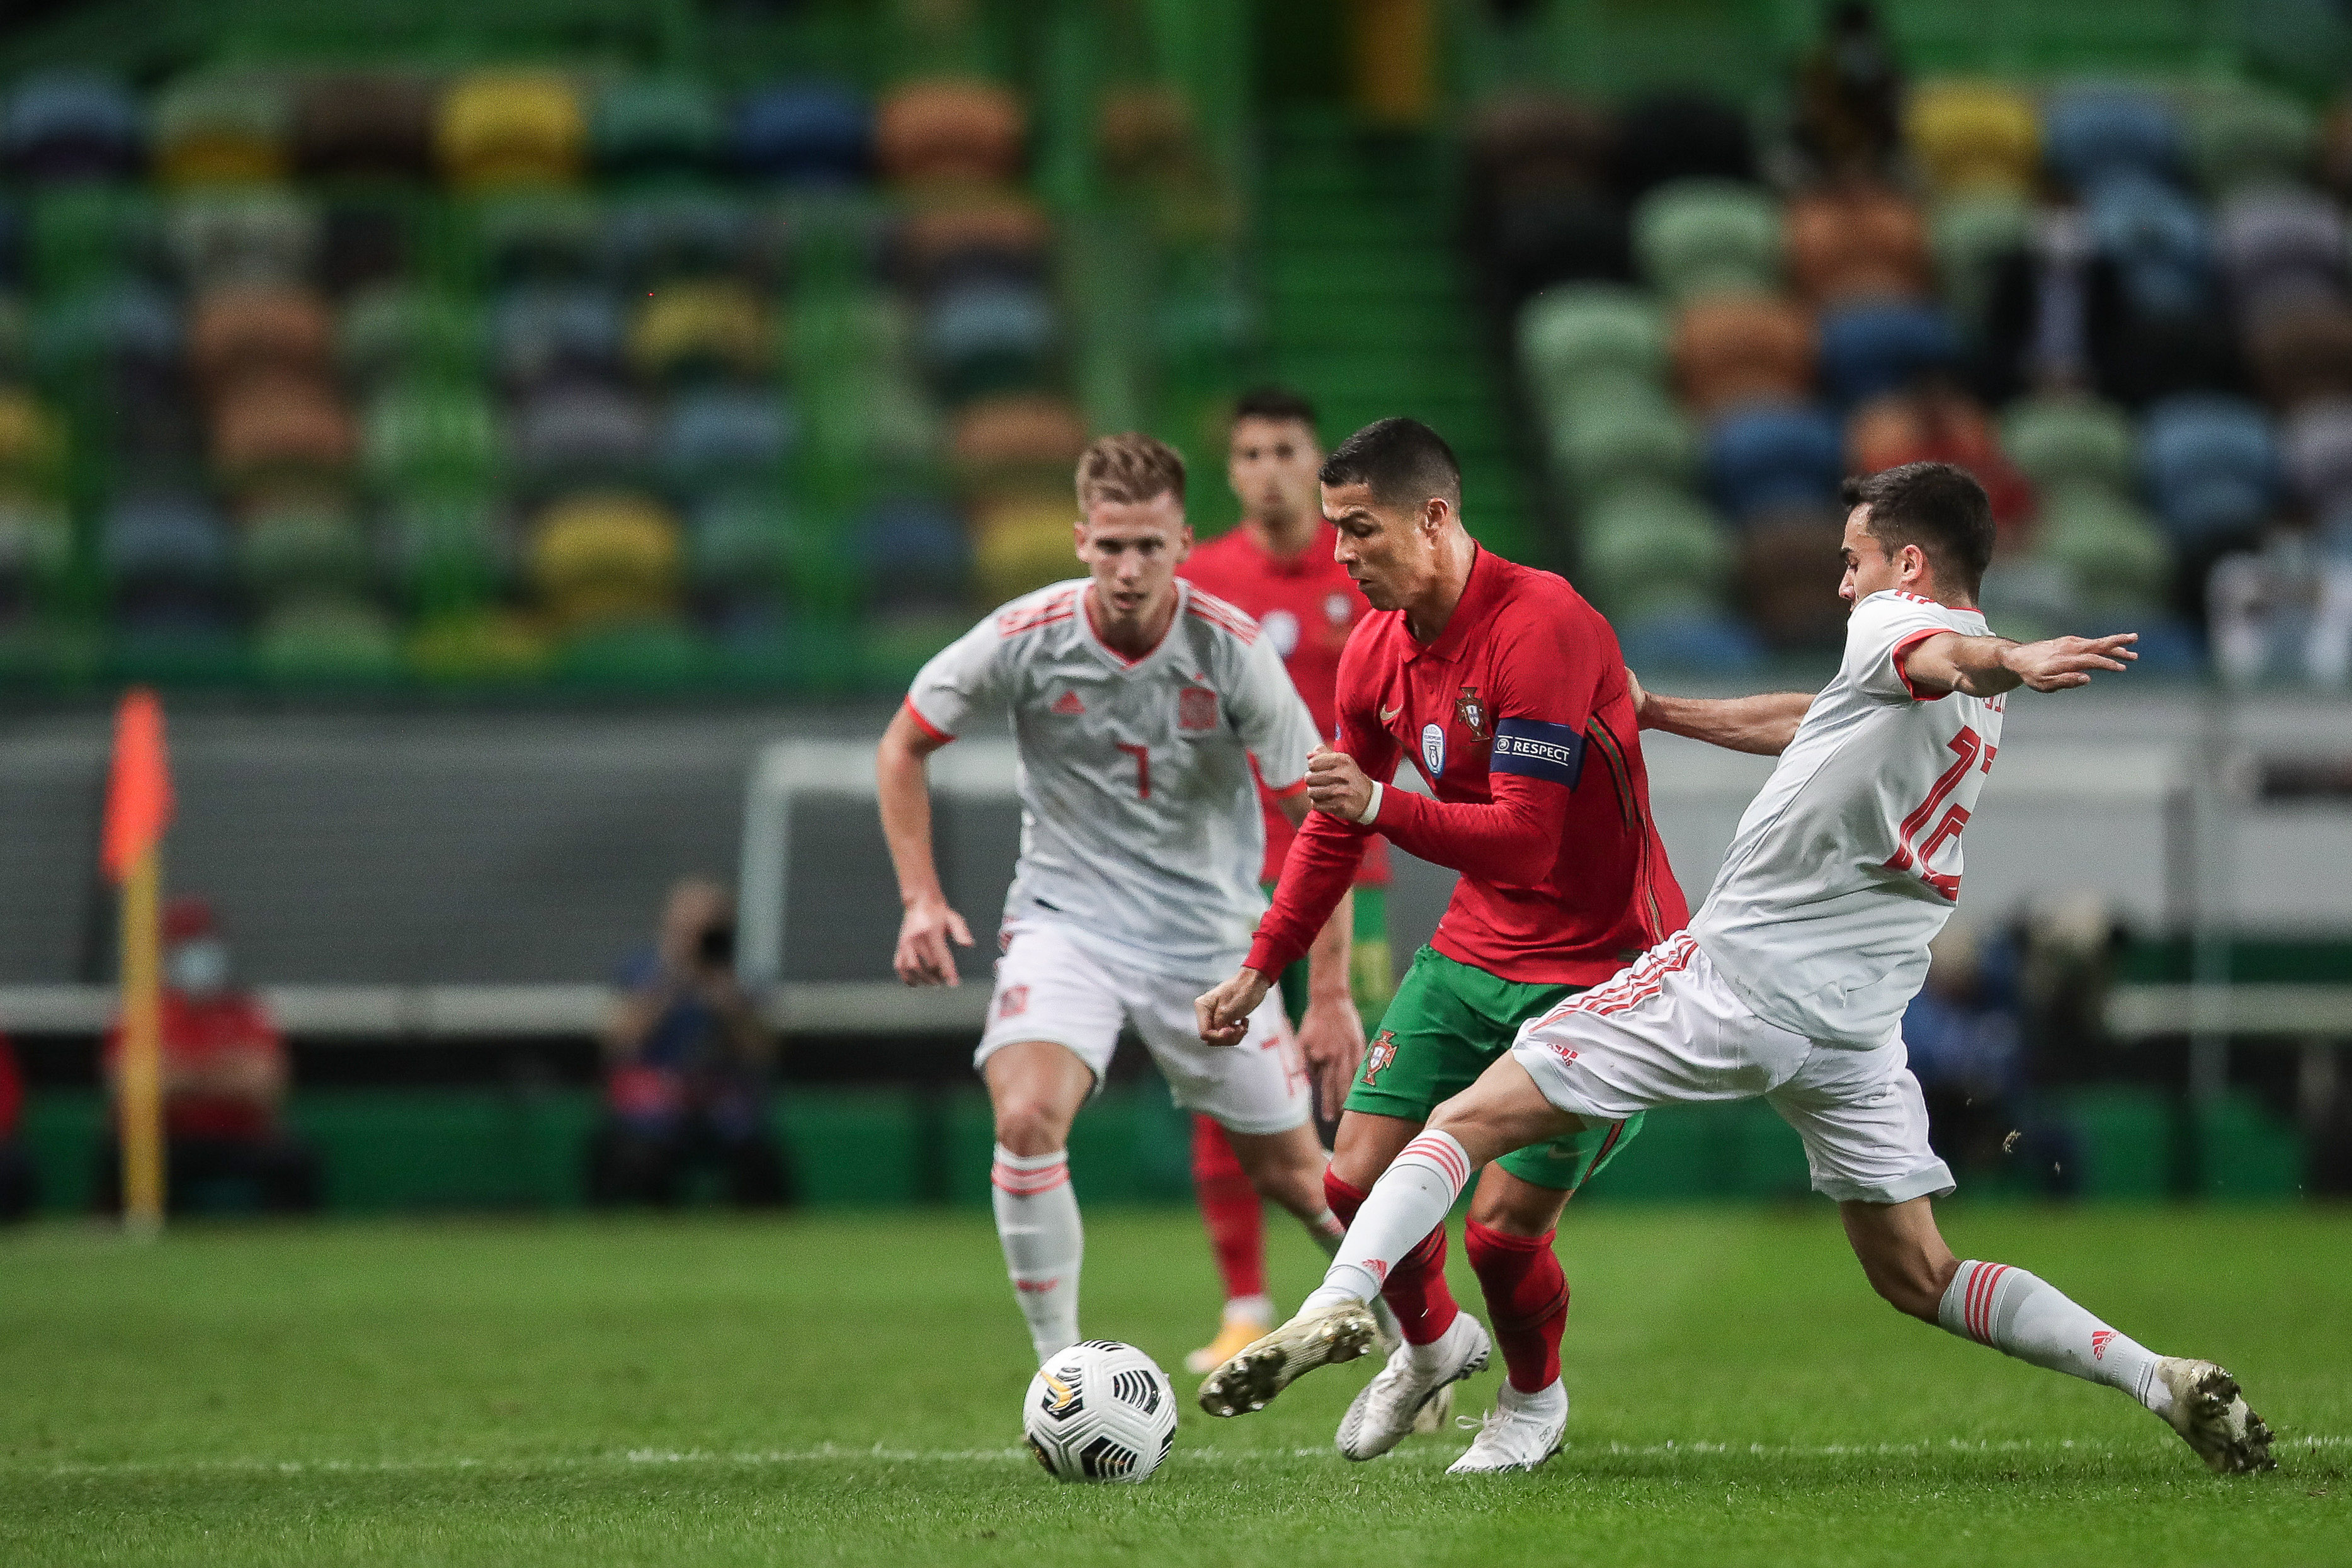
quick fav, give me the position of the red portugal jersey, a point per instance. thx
(1519, 718)
(194, 1034)
(1306, 604)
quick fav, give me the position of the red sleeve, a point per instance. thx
(1545, 681)
(1515, 836)
(1321, 865)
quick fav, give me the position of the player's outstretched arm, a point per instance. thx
(1762, 725)
(1986, 667)
(902, 785)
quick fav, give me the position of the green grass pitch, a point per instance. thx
(845, 1389)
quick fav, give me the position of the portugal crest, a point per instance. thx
(1471, 708)
(1377, 1057)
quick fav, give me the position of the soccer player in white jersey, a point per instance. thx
(1137, 703)
(1792, 979)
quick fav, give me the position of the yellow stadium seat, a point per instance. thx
(701, 326)
(1970, 134)
(223, 130)
(499, 128)
(1023, 543)
(602, 558)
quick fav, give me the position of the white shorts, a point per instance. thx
(1049, 987)
(1669, 1031)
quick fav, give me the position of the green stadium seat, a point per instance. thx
(2062, 440)
(295, 551)
(2116, 556)
(655, 126)
(539, 237)
(1575, 331)
(1701, 235)
(637, 655)
(2243, 137)
(396, 332)
(1618, 428)
(260, 236)
(449, 556)
(329, 638)
(430, 434)
(1644, 547)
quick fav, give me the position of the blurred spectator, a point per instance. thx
(20, 1184)
(1964, 1034)
(2283, 613)
(686, 1062)
(223, 1083)
(2055, 315)
(1850, 95)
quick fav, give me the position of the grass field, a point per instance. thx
(846, 1389)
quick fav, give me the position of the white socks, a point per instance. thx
(2020, 1315)
(1409, 1201)
(1037, 1221)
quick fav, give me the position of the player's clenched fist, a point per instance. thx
(1224, 1012)
(1337, 785)
(923, 956)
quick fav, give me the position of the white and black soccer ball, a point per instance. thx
(1100, 1411)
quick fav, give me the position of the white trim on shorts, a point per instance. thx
(1669, 1030)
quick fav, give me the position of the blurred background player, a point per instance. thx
(686, 1066)
(1510, 695)
(1138, 704)
(20, 1183)
(223, 1083)
(1279, 566)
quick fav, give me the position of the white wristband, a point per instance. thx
(1373, 809)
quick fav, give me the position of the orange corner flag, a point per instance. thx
(139, 792)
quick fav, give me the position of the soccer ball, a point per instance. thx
(1100, 1411)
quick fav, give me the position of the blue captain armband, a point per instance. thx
(1537, 750)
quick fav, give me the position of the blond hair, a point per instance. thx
(1130, 468)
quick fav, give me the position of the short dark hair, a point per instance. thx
(1276, 403)
(1402, 461)
(1940, 507)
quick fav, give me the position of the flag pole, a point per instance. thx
(138, 809)
(140, 1098)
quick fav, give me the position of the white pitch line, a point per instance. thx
(830, 1453)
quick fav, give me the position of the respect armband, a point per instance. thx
(1538, 751)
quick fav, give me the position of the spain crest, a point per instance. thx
(1471, 708)
(1377, 1056)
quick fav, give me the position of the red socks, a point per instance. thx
(1416, 1290)
(1527, 1297)
(1230, 1209)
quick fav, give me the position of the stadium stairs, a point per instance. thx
(1368, 306)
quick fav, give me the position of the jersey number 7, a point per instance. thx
(1142, 755)
(1914, 851)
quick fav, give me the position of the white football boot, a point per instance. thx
(1416, 1383)
(1389, 1334)
(1270, 1365)
(1521, 1432)
(2212, 1417)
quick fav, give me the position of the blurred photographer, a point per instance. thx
(686, 1061)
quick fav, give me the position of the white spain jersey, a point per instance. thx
(1847, 863)
(1140, 824)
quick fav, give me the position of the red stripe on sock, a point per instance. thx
(1441, 1153)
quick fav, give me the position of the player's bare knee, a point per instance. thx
(1028, 1125)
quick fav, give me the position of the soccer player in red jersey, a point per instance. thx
(1507, 691)
(1278, 565)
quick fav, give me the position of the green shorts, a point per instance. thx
(1368, 975)
(1448, 1024)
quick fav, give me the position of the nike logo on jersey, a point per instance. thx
(1068, 704)
(1388, 715)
